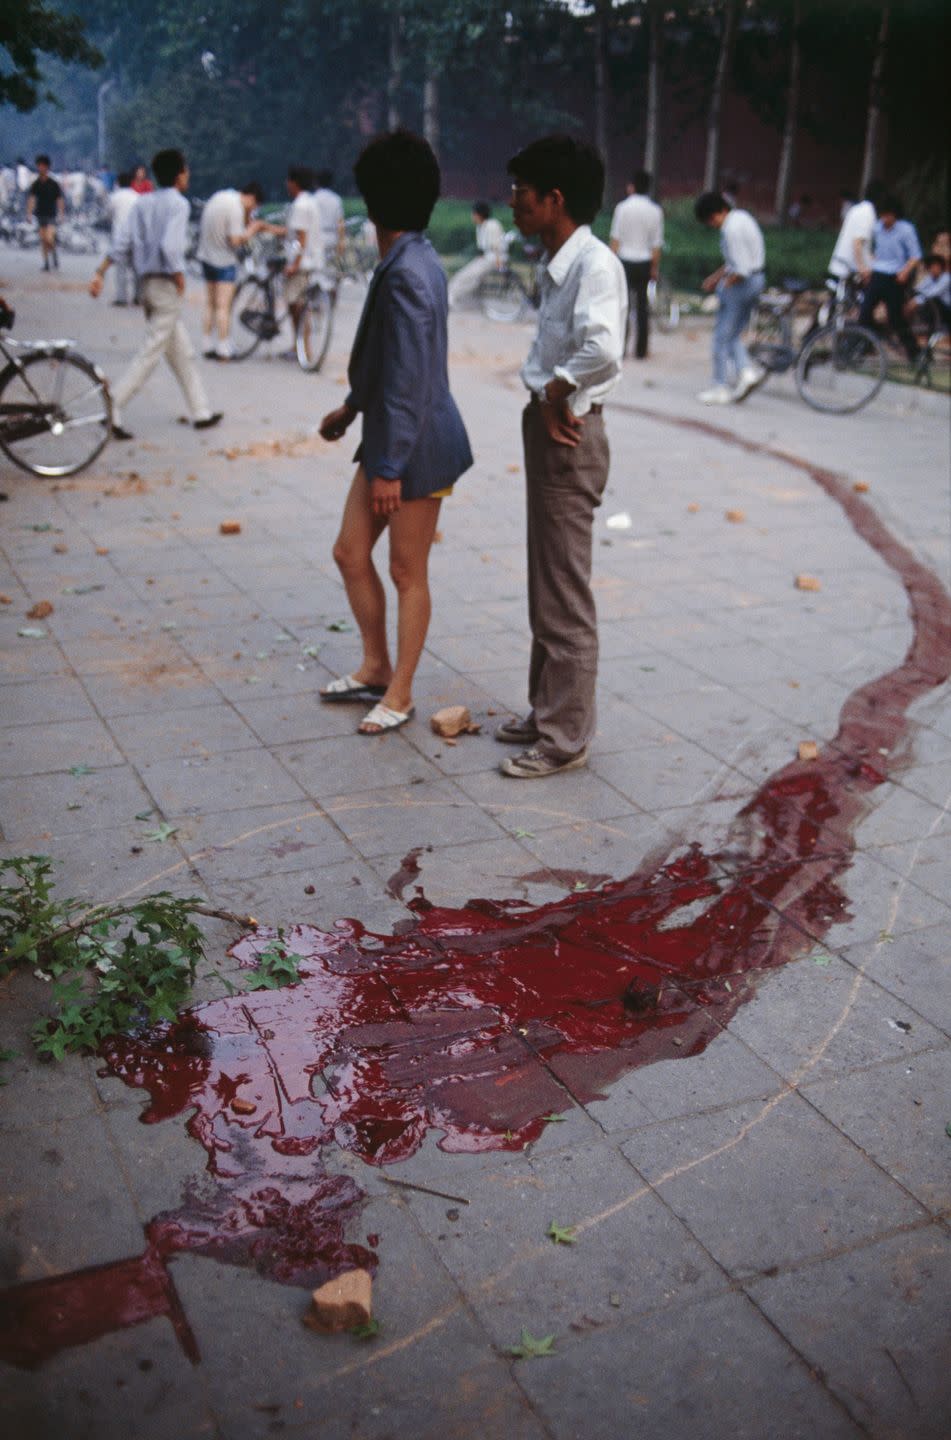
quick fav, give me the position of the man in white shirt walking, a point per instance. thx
(637, 238)
(227, 223)
(154, 240)
(329, 234)
(490, 242)
(738, 284)
(573, 365)
(121, 203)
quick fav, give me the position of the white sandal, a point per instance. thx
(385, 718)
(348, 688)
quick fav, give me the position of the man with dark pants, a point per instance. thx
(45, 200)
(896, 252)
(574, 363)
(637, 238)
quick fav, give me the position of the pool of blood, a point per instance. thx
(477, 1023)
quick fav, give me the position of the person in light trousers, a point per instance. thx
(738, 284)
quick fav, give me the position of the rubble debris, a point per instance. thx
(341, 1304)
(229, 527)
(243, 1107)
(40, 610)
(453, 720)
(861, 487)
(735, 517)
(808, 582)
(808, 750)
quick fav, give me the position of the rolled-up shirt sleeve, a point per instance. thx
(598, 336)
(405, 378)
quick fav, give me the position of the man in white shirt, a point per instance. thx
(573, 365)
(853, 248)
(301, 241)
(490, 242)
(738, 284)
(329, 234)
(121, 201)
(637, 238)
(227, 223)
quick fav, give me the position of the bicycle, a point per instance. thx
(258, 312)
(503, 294)
(55, 407)
(839, 365)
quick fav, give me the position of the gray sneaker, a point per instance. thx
(536, 765)
(517, 732)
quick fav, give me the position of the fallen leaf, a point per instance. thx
(79, 770)
(82, 589)
(341, 627)
(161, 833)
(311, 651)
(143, 815)
(554, 1119)
(524, 834)
(561, 1234)
(530, 1348)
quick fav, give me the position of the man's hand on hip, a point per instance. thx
(563, 427)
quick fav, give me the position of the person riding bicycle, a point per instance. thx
(490, 242)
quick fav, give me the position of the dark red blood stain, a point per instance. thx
(477, 1023)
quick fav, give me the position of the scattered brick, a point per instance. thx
(735, 517)
(342, 1304)
(808, 582)
(243, 1107)
(40, 610)
(861, 486)
(453, 720)
(808, 750)
(229, 527)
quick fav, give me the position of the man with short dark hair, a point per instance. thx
(573, 365)
(121, 204)
(45, 200)
(227, 224)
(155, 240)
(738, 284)
(637, 238)
(896, 251)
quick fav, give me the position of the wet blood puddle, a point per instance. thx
(478, 1023)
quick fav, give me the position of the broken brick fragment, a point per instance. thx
(453, 720)
(808, 582)
(40, 610)
(808, 750)
(342, 1304)
(229, 527)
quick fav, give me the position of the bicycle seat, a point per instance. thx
(793, 286)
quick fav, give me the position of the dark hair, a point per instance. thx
(559, 162)
(710, 203)
(167, 165)
(482, 208)
(934, 259)
(889, 204)
(301, 175)
(254, 188)
(124, 179)
(42, 160)
(398, 176)
(324, 179)
(641, 180)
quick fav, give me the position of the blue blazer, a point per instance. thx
(399, 378)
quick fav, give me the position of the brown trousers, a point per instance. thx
(564, 486)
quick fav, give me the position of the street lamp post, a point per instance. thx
(101, 94)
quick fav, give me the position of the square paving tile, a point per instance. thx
(218, 782)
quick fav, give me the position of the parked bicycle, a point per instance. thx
(55, 407)
(504, 293)
(839, 365)
(259, 312)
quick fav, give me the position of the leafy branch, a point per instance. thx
(112, 968)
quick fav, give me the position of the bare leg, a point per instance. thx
(208, 315)
(224, 294)
(411, 537)
(359, 532)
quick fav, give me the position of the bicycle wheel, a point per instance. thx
(770, 345)
(502, 296)
(252, 317)
(665, 308)
(313, 329)
(55, 412)
(840, 369)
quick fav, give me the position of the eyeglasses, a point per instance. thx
(521, 189)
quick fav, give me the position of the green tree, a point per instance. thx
(30, 29)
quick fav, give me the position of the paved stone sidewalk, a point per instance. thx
(762, 1228)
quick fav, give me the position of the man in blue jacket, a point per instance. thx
(414, 444)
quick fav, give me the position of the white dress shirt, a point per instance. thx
(742, 244)
(155, 237)
(581, 322)
(121, 203)
(859, 224)
(638, 227)
(490, 237)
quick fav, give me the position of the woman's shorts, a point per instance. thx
(219, 274)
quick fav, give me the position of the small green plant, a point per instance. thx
(531, 1347)
(111, 968)
(277, 966)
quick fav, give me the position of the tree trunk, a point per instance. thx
(873, 124)
(395, 72)
(602, 90)
(655, 73)
(787, 154)
(711, 169)
(431, 105)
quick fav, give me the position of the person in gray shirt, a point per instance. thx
(154, 241)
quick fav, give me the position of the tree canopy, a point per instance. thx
(30, 29)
